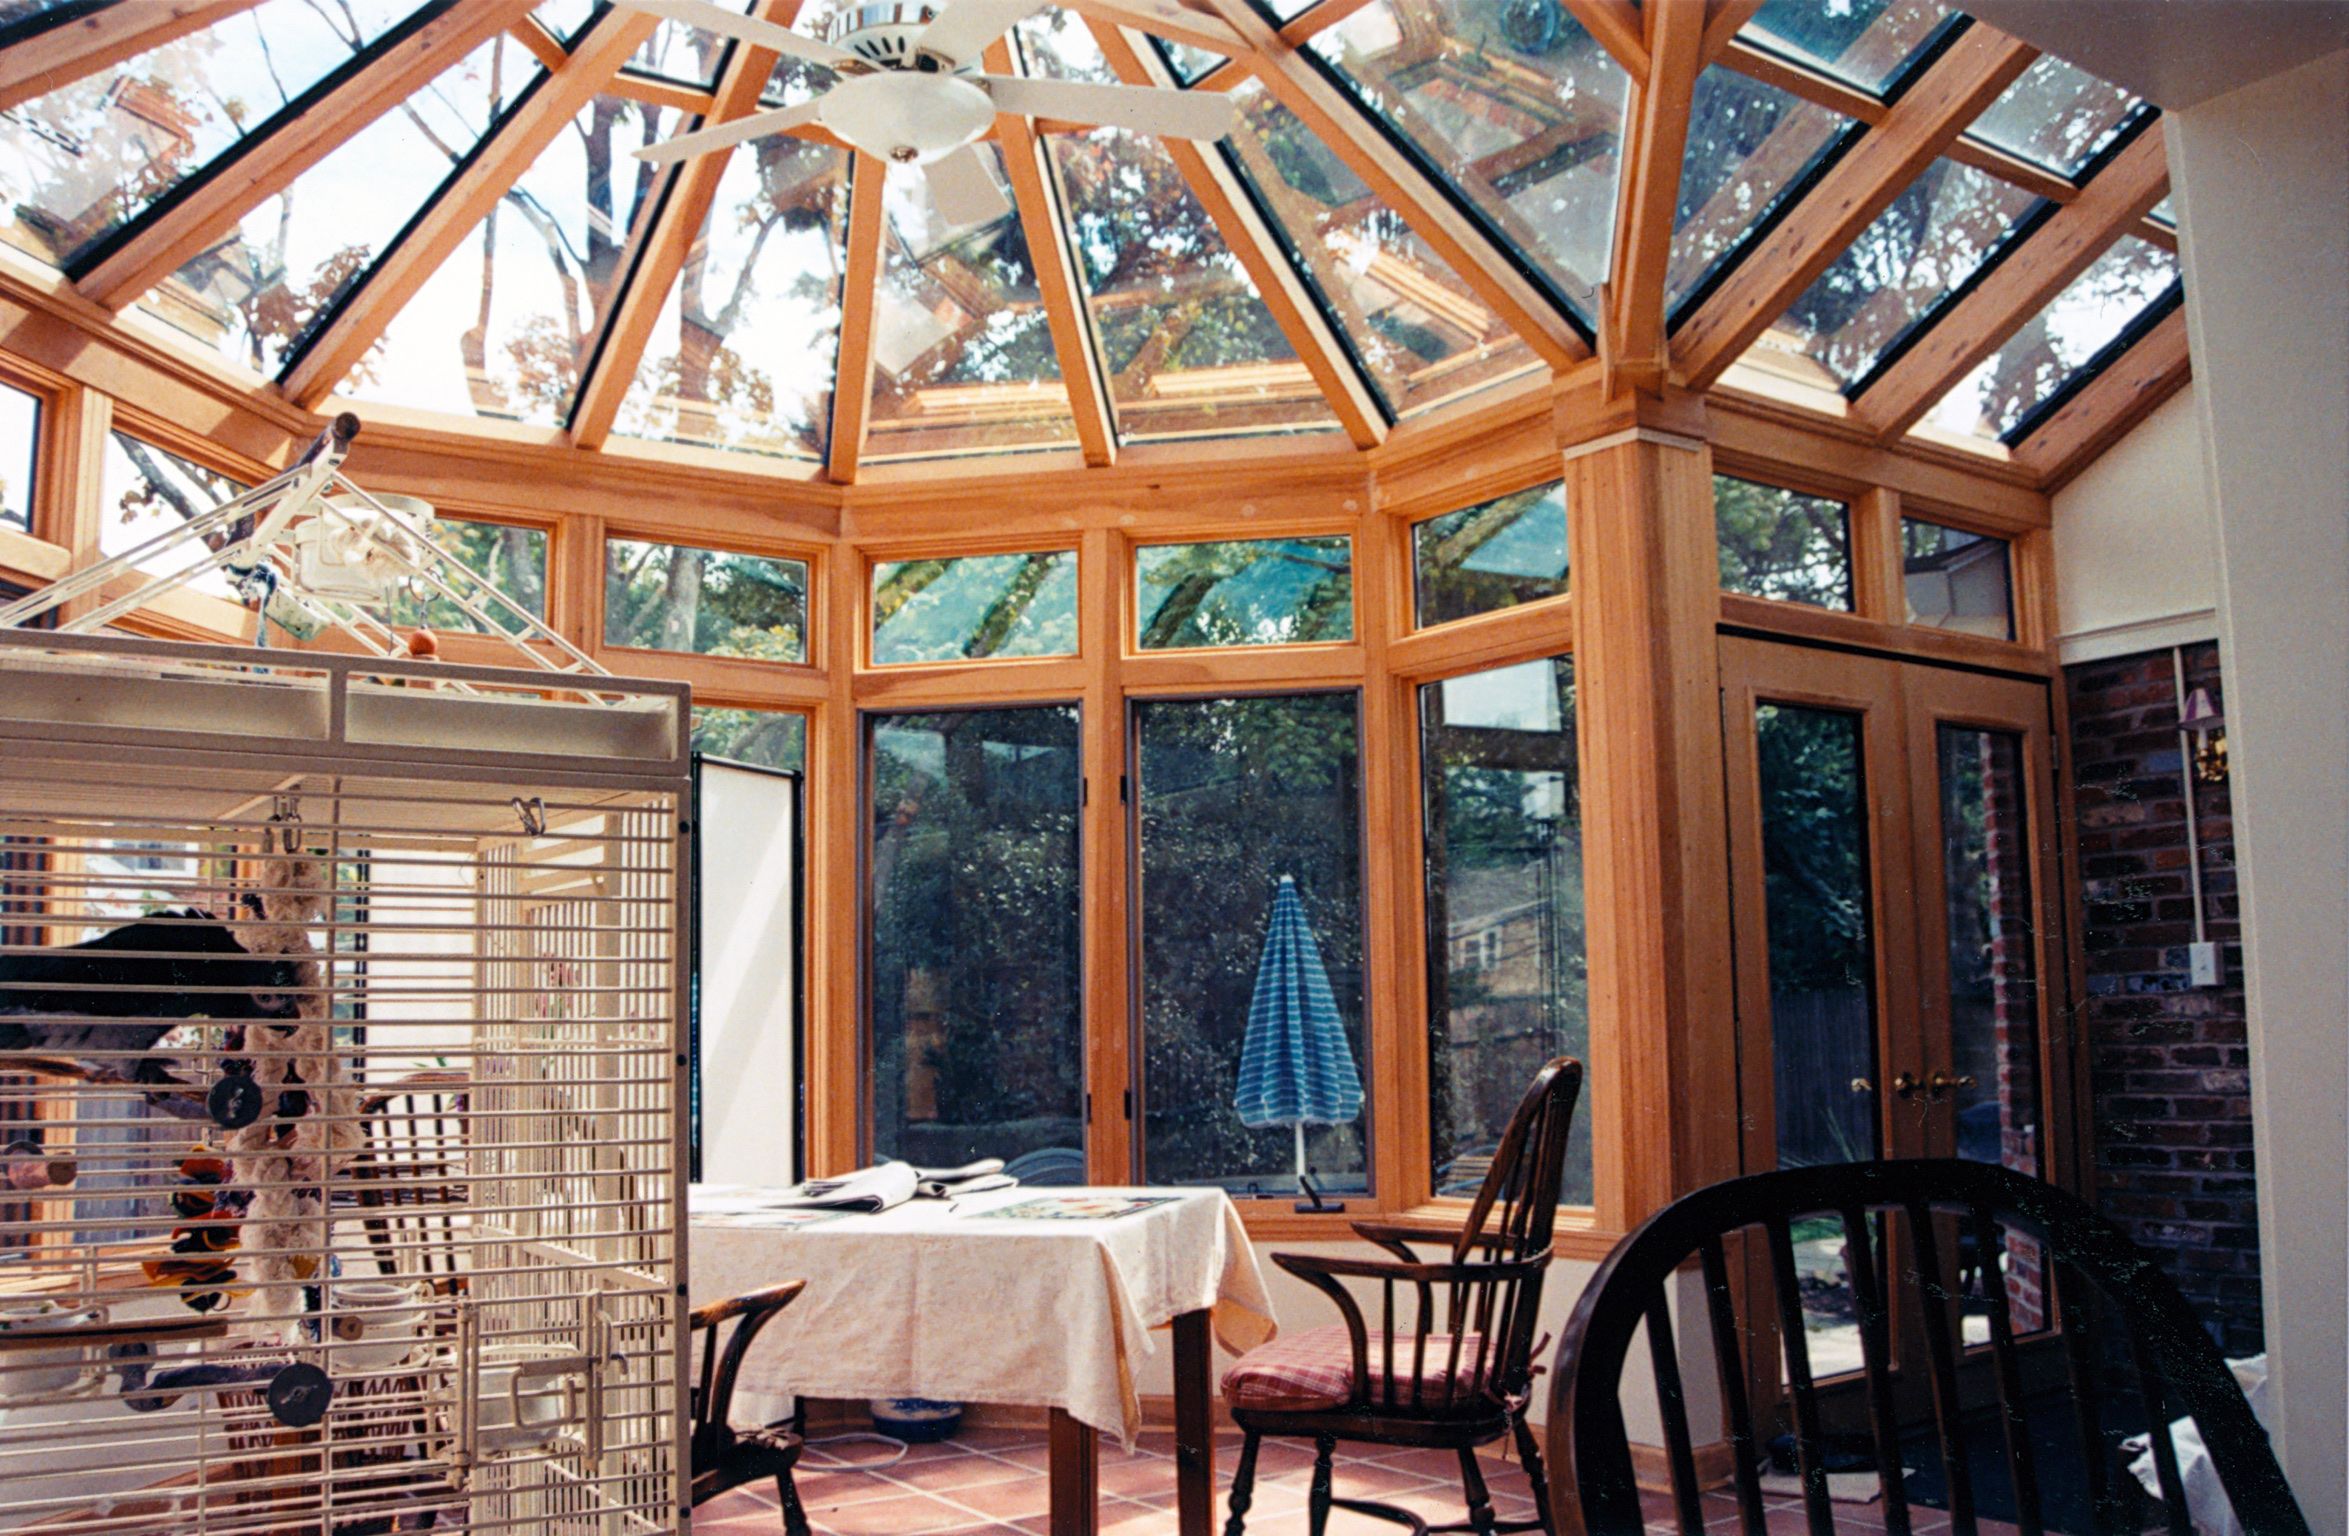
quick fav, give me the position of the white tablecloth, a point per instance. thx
(958, 1302)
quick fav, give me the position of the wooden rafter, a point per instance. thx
(667, 243)
(1926, 121)
(612, 38)
(1036, 195)
(852, 390)
(1618, 26)
(1978, 324)
(1388, 172)
(1278, 283)
(1632, 320)
(544, 46)
(1170, 19)
(1723, 20)
(2109, 405)
(207, 207)
(73, 50)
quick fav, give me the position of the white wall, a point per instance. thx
(2136, 543)
(2262, 177)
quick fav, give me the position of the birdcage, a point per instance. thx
(341, 1082)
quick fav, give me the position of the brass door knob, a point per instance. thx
(1942, 1083)
(1905, 1084)
(1862, 1085)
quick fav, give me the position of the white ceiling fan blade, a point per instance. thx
(962, 190)
(965, 27)
(725, 135)
(1140, 108)
(749, 29)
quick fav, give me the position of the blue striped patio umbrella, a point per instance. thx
(1295, 1065)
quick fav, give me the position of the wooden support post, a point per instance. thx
(1878, 590)
(1075, 1453)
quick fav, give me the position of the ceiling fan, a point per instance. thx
(909, 91)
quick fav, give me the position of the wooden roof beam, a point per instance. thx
(1333, 117)
(544, 46)
(1170, 19)
(2019, 287)
(1724, 19)
(2109, 406)
(692, 188)
(1928, 118)
(1619, 28)
(852, 387)
(1632, 318)
(1036, 194)
(1284, 292)
(611, 40)
(200, 211)
(73, 50)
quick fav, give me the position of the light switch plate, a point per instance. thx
(2202, 964)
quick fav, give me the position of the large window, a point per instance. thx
(1508, 987)
(974, 987)
(1239, 804)
(20, 451)
(1495, 554)
(1245, 592)
(673, 597)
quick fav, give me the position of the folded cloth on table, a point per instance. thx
(868, 1189)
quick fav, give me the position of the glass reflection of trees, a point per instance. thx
(673, 597)
(1782, 544)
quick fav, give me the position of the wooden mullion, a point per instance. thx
(1036, 195)
(1310, 333)
(852, 391)
(1632, 319)
(2017, 289)
(1104, 610)
(210, 205)
(76, 49)
(1394, 959)
(611, 40)
(693, 187)
(838, 1095)
(544, 46)
(1878, 589)
(71, 480)
(2105, 409)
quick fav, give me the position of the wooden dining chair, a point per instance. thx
(725, 1457)
(409, 1177)
(2120, 1322)
(1452, 1369)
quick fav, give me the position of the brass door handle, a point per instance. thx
(1942, 1083)
(1862, 1085)
(1905, 1085)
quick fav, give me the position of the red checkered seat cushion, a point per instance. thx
(1314, 1370)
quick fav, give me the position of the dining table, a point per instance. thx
(1031, 1296)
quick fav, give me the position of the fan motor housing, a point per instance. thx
(882, 35)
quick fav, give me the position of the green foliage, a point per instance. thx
(674, 597)
(1246, 592)
(761, 738)
(1782, 544)
(979, 605)
(1494, 555)
(511, 559)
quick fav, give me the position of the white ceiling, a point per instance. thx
(2175, 53)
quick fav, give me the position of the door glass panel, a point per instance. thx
(1822, 1004)
(1993, 989)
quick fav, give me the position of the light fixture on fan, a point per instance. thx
(910, 92)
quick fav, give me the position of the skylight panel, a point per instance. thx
(256, 295)
(684, 54)
(2128, 285)
(1516, 112)
(1185, 62)
(1751, 147)
(81, 162)
(564, 18)
(743, 353)
(1872, 44)
(2056, 116)
(1421, 333)
(1946, 225)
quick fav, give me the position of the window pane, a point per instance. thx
(145, 492)
(1783, 544)
(2039, 361)
(1749, 146)
(981, 605)
(1245, 592)
(2057, 115)
(1517, 108)
(1508, 985)
(673, 597)
(975, 991)
(1235, 796)
(511, 559)
(20, 455)
(1186, 62)
(761, 738)
(1870, 43)
(1956, 580)
(1504, 552)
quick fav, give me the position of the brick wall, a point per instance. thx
(2168, 1064)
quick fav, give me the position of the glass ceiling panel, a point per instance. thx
(962, 352)
(2056, 116)
(1186, 62)
(687, 55)
(1525, 125)
(256, 295)
(1902, 269)
(1057, 45)
(564, 18)
(2166, 211)
(2040, 361)
(1285, 10)
(1422, 333)
(742, 355)
(82, 161)
(503, 329)
(1749, 145)
(1868, 43)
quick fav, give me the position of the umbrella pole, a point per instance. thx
(1300, 1157)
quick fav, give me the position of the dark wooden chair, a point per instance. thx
(2124, 1329)
(725, 1457)
(1453, 1368)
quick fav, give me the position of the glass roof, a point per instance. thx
(1524, 125)
(2040, 363)
(1872, 44)
(1503, 125)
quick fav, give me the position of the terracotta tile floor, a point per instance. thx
(990, 1482)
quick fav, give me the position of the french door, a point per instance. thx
(1894, 886)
